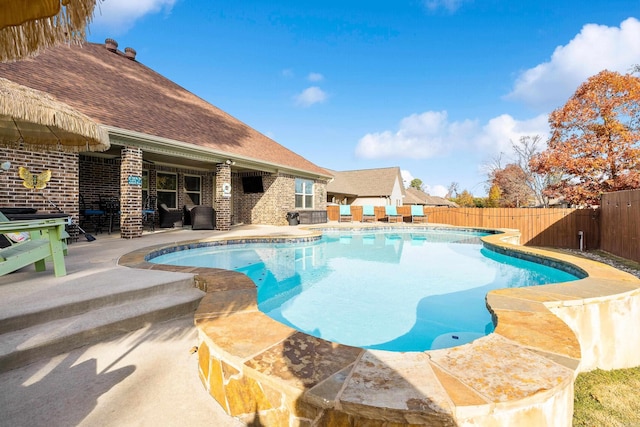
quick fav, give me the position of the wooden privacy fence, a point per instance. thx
(557, 228)
(621, 224)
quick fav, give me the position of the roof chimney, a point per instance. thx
(130, 53)
(111, 45)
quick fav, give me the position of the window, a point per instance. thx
(192, 190)
(304, 193)
(167, 187)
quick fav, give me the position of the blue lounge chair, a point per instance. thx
(345, 213)
(368, 213)
(392, 214)
(417, 214)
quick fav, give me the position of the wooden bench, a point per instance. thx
(46, 242)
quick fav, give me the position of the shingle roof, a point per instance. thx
(365, 182)
(418, 197)
(123, 93)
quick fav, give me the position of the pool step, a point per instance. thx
(71, 319)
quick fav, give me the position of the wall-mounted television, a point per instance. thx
(252, 184)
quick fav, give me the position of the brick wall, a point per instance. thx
(270, 207)
(131, 195)
(61, 190)
(74, 174)
(222, 203)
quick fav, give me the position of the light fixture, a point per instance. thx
(5, 166)
(230, 162)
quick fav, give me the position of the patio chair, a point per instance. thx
(94, 216)
(417, 214)
(368, 213)
(168, 217)
(203, 218)
(345, 213)
(392, 214)
(149, 213)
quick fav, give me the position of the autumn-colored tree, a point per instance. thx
(465, 199)
(595, 140)
(493, 199)
(512, 182)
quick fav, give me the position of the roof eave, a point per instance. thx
(160, 145)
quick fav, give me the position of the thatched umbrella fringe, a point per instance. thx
(30, 37)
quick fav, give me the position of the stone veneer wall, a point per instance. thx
(62, 189)
(271, 207)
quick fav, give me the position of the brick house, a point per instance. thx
(167, 144)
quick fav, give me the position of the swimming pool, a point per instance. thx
(398, 290)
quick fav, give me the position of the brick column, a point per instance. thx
(130, 193)
(222, 202)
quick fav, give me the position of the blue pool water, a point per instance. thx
(392, 290)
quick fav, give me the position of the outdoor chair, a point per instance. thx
(392, 214)
(186, 214)
(168, 217)
(417, 214)
(94, 216)
(149, 212)
(368, 213)
(345, 213)
(203, 218)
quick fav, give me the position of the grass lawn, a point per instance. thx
(608, 398)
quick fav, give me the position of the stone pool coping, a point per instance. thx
(522, 374)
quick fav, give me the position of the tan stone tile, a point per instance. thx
(531, 293)
(244, 334)
(224, 280)
(590, 288)
(459, 393)
(216, 383)
(245, 396)
(326, 393)
(501, 301)
(501, 370)
(302, 361)
(540, 330)
(226, 303)
(399, 387)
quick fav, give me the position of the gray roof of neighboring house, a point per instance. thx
(123, 93)
(365, 182)
(418, 197)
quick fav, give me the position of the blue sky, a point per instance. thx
(436, 87)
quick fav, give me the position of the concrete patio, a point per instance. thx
(145, 376)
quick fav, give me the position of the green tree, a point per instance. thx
(416, 183)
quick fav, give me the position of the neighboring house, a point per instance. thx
(183, 149)
(378, 187)
(419, 197)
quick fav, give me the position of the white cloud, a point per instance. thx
(315, 77)
(449, 5)
(436, 190)
(499, 132)
(309, 96)
(119, 16)
(420, 136)
(431, 134)
(597, 47)
(406, 177)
